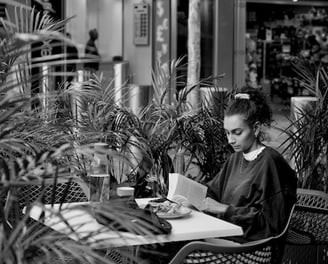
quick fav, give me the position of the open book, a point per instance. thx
(180, 185)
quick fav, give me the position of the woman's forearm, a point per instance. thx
(214, 207)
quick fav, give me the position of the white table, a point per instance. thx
(193, 227)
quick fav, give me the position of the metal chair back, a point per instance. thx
(309, 224)
(63, 191)
(267, 250)
(307, 238)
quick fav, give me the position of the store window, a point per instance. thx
(277, 32)
(207, 35)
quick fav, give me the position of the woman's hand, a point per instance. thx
(214, 207)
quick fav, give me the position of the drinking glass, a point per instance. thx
(99, 183)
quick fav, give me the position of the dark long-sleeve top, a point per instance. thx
(259, 193)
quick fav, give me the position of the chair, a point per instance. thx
(267, 250)
(312, 198)
(307, 238)
(309, 224)
(64, 191)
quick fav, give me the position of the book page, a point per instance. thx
(192, 190)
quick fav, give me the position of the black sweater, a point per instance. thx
(260, 193)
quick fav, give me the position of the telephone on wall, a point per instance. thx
(141, 24)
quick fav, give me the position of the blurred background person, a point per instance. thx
(91, 52)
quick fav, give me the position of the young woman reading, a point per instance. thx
(256, 188)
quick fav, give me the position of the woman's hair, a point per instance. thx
(252, 104)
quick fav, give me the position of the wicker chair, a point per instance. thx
(307, 238)
(313, 198)
(262, 251)
(65, 191)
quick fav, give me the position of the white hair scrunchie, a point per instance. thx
(242, 96)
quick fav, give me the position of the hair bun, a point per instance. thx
(252, 103)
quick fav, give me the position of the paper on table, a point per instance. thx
(194, 192)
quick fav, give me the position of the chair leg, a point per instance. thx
(322, 254)
(317, 254)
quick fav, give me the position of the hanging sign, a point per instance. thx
(2, 10)
(162, 38)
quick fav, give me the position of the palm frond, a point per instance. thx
(163, 77)
(307, 137)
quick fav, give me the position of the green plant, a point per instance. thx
(307, 139)
(103, 120)
(39, 143)
(204, 138)
(43, 139)
(157, 125)
(176, 127)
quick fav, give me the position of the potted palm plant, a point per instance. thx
(203, 137)
(35, 148)
(307, 136)
(173, 129)
(38, 144)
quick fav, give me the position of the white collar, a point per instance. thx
(253, 154)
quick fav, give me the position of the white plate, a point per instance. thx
(182, 212)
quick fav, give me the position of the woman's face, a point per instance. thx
(240, 135)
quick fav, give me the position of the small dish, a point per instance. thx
(182, 212)
(124, 191)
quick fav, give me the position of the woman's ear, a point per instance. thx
(256, 128)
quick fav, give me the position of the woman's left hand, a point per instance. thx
(214, 207)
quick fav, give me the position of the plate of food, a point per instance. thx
(169, 210)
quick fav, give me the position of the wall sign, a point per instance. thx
(141, 24)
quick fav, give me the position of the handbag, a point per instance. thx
(137, 217)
